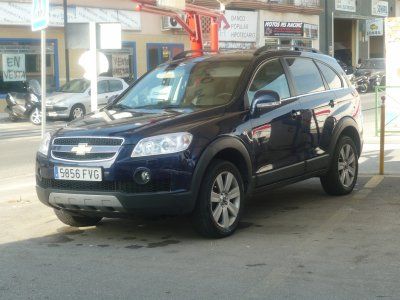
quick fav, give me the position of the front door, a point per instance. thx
(276, 130)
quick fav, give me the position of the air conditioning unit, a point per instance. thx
(169, 23)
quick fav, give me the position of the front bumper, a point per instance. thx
(57, 112)
(168, 192)
(114, 203)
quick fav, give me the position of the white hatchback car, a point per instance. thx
(72, 100)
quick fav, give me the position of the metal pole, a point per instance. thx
(382, 140)
(93, 60)
(65, 6)
(43, 79)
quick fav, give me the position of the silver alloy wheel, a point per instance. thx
(347, 165)
(36, 116)
(225, 199)
(77, 112)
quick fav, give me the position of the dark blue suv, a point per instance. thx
(199, 134)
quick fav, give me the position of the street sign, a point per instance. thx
(40, 14)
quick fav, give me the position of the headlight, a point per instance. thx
(44, 145)
(163, 144)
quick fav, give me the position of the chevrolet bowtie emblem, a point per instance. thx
(81, 149)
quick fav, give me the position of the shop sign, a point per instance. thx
(120, 65)
(292, 29)
(175, 4)
(14, 67)
(392, 46)
(243, 26)
(12, 13)
(374, 27)
(380, 8)
(276, 28)
(346, 5)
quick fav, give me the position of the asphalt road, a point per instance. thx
(293, 243)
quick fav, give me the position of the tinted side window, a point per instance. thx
(272, 77)
(331, 77)
(102, 87)
(307, 78)
(115, 85)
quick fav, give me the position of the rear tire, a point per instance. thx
(221, 200)
(75, 220)
(343, 172)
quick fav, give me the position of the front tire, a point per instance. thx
(221, 200)
(343, 173)
(75, 220)
(35, 117)
(77, 111)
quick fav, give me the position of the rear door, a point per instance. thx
(103, 92)
(275, 131)
(316, 102)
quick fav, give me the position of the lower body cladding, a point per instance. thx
(120, 192)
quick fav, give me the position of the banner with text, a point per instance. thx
(346, 5)
(243, 27)
(120, 65)
(14, 67)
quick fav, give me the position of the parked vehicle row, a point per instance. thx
(200, 134)
(70, 102)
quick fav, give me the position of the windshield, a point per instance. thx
(75, 86)
(201, 84)
(373, 64)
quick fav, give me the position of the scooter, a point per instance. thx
(25, 105)
(361, 83)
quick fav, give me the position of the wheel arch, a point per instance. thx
(227, 148)
(349, 127)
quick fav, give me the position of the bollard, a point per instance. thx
(382, 140)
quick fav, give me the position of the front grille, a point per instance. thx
(90, 156)
(85, 148)
(163, 185)
(91, 141)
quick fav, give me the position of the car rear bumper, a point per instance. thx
(114, 203)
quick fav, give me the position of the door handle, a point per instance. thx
(332, 103)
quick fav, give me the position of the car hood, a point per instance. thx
(137, 123)
(60, 97)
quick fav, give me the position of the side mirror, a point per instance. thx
(89, 92)
(265, 99)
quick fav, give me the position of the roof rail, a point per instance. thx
(190, 53)
(277, 48)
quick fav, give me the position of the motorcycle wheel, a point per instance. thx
(36, 117)
(363, 88)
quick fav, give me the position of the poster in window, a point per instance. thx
(14, 67)
(120, 65)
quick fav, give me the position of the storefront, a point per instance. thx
(142, 37)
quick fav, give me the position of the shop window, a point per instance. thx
(29, 49)
(330, 76)
(272, 77)
(160, 53)
(122, 62)
(307, 78)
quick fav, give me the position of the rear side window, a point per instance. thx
(115, 85)
(331, 77)
(270, 76)
(306, 76)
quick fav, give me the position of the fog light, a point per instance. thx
(142, 176)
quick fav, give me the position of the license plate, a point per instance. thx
(81, 174)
